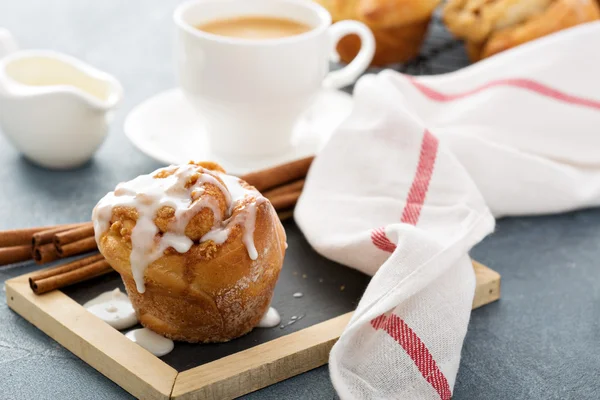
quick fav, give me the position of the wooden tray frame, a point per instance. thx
(148, 377)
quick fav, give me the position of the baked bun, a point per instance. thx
(399, 26)
(199, 251)
(489, 27)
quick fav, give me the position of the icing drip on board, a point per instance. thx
(151, 341)
(149, 193)
(270, 319)
(114, 308)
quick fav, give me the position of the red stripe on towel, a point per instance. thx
(420, 184)
(416, 350)
(416, 194)
(520, 83)
(394, 325)
(381, 241)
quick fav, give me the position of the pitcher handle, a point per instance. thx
(8, 44)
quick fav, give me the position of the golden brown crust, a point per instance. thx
(474, 50)
(491, 26)
(210, 165)
(394, 13)
(213, 292)
(399, 26)
(475, 20)
(562, 14)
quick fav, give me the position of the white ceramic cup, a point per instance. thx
(251, 92)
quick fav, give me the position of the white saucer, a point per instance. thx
(167, 128)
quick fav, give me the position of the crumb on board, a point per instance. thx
(342, 288)
(292, 320)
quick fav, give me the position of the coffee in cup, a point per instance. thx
(255, 27)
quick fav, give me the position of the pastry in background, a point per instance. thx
(199, 251)
(491, 26)
(399, 26)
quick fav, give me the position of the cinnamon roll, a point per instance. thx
(199, 251)
(492, 26)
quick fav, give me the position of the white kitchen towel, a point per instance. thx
(409, 182)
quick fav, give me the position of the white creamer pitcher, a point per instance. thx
(54, 108)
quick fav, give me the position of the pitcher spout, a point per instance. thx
(8, 44)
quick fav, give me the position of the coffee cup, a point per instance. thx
(251, 88)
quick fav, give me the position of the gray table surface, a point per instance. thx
(541, 341)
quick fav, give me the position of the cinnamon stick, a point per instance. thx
(47, 235)
(18, 237)
(62, 269)
(285, 200)
(73, 235)
(285, 214)
(83, 273)
(291, 187)
(77, 247)
(44, 254)
(279, 175)
(13, 254)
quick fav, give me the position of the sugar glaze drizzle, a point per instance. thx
(148, 194)
(114, 308)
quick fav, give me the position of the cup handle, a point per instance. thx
(350, 73)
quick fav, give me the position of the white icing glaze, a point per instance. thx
(148, 194)
(270, 319)
(247, 219)
(237, 192)
(114, 308)
(151, 341)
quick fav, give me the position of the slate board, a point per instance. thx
(329, 290)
